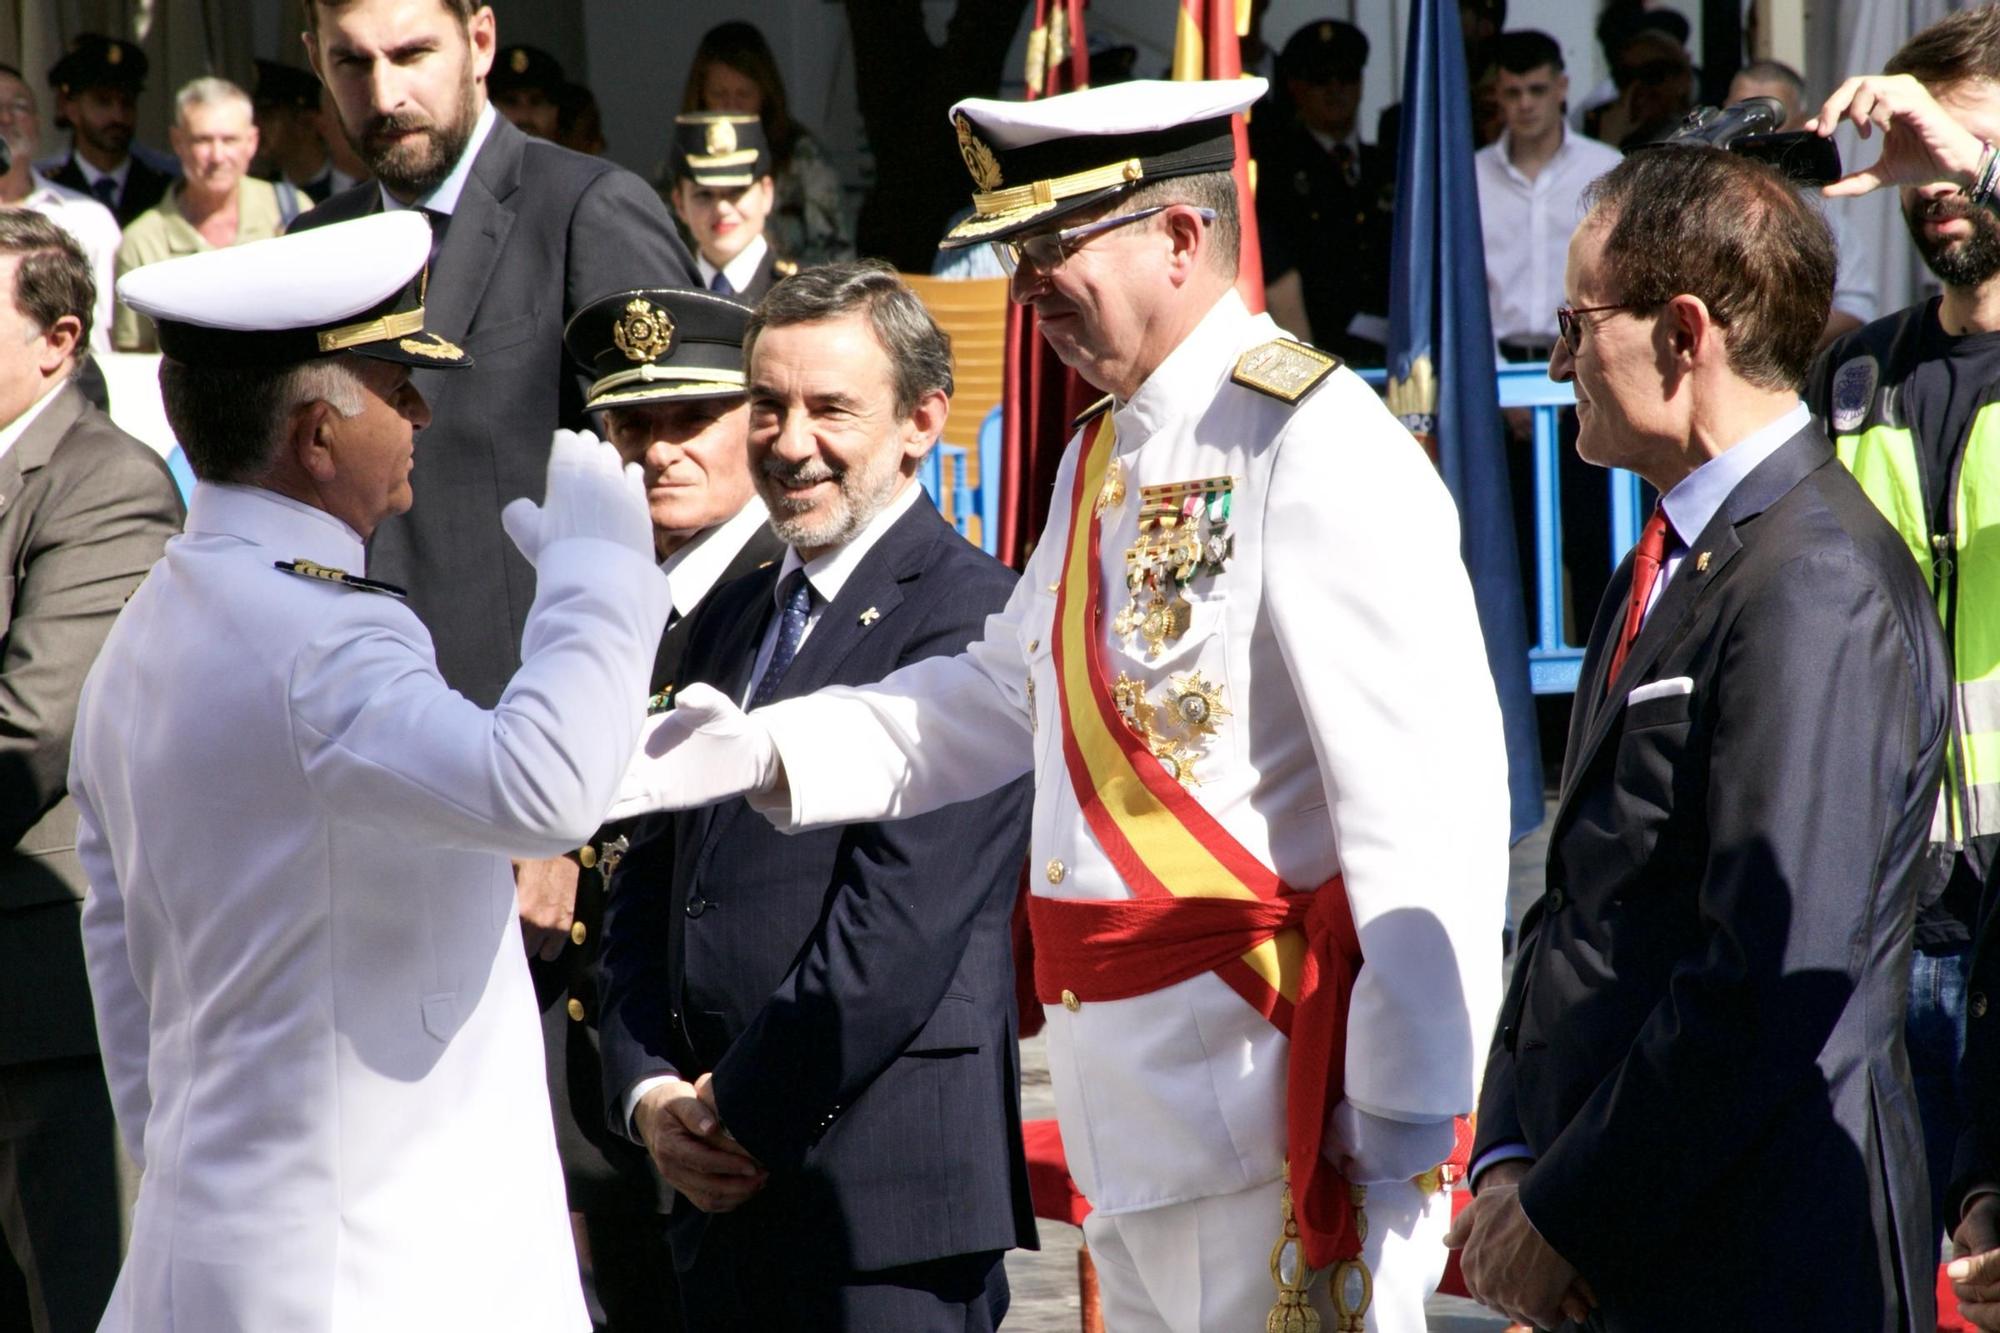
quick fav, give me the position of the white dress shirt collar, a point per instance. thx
(444, 198)
(741, 271)
(828, 573)
(694, 569)
(1503, 149)
(11, 433)
(1699, 496)
(290, 528)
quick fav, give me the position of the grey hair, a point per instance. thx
(232, 420)
(207, 91)
(919, 351)
(1214, 190)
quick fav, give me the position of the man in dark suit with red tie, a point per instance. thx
(1697, 1108)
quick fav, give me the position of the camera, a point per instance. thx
(1750, 129)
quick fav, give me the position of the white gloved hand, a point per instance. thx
(1375, 1150)
(591, 493)
(705, 750)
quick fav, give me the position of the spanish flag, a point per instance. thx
(1207, 46)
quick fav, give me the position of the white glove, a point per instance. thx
(591, 493)
(1375, 1150)
(705, 750)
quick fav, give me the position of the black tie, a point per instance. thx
(440, 224)
(791, 629)
(721, 285)
(106, 190)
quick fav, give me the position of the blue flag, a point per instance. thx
(1441, 366)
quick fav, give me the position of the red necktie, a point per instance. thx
(1646, 559)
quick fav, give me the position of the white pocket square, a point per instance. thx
(1660, 689)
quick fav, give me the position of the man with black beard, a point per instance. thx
(527, 233)
(1912, 404)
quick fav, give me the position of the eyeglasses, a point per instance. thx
(1048, 250)
(1571, 328)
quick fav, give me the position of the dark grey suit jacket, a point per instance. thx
(85, 510)
(539, 232)
(1702, 1044)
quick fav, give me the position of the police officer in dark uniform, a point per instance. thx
(526, 86)
(723, 193)
(1324, 198)
(97, 85)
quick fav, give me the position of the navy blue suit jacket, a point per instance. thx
(1702, 1044)
(850, 989)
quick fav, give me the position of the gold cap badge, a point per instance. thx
(720, 138)
(644, 332)
(979, 159)
(518, 62)
(114, 55)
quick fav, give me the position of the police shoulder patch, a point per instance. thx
(1095, 410)
(1853, 391)
(307, 569)
(1284, 369)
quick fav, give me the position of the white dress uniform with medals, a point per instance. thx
(310, 983)
(1276, 621)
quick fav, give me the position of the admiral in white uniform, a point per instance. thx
(1310, 669)
(309, 977)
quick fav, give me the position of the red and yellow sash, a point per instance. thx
(1201, 902)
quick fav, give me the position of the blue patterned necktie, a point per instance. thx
(791, 629)
(721, 285)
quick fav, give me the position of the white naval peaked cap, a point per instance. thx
(348, 287)
(1034, 162)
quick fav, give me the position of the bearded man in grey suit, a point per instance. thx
(84, 512)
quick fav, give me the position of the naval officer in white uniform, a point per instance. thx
(1309, 673)
(310, 984)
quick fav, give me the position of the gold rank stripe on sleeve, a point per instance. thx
(307, 569)
(1160, 839)
(1284, 369)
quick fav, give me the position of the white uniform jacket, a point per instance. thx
(311, 992)
(1363, 738)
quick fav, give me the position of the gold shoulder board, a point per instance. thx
(306, 569)
(1096, 409)
(1284, 369)
(784, 268)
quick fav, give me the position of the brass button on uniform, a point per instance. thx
(578, 932)
(1034, 644)
(586, 855)
(1070, 1002)
(1057, 872)
(576, 1010)
(1976, 1005)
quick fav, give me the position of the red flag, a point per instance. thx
(1208, 45)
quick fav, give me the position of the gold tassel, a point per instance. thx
(1350, 1310)
(1293, 1312)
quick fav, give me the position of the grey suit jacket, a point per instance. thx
(85, 510)
(538, 232)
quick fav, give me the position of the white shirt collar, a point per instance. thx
(1503, 148)
(1699, 496)
(741, 271)
(11, 433)
(829, 573)
(693, 570)
(92, 175)
(289, 528)
(444, 198)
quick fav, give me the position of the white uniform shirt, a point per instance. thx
(95, 229)
(1364, 739)
(317, 1024)
(1527, 225)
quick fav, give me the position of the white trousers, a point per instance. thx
(1205, 1266)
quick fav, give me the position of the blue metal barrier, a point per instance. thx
(970, 498)
(1554, 663)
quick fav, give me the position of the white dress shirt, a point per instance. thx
(1527, 225)
(741, 271)
(95, 229)
(695, 567)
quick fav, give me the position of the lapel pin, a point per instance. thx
(1701, 563)
(870, 616)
